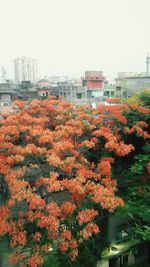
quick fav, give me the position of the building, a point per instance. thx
(43, 83)
(25, 69)
(8, 93)
(110, 90)
(79, 95)
(90, 89)
(55, 79)
(131, 85)
(27, 91)
(130, 74)
(94, 80)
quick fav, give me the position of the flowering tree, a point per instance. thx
(113, 100)
(48, 148)
(136, 172)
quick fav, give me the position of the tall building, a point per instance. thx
(25, 69)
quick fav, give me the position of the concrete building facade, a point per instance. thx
(94, 80)
(8, 93)
(132, 85)
(25, 69)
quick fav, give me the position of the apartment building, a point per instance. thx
(25, 69)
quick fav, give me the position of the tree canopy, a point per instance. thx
(60, 167)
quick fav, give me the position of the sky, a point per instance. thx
(69, 37)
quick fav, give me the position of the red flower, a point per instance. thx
(35, 260)
(86, 216)
(141, 190)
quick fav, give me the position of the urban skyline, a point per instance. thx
(35, 73)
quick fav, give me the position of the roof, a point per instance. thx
(4, 91)
(133, 77)
(43, 80)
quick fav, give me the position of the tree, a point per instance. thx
(56, 173)
(113, 100)
(141, 98)
(136, 173)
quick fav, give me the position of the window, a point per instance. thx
(106, 93)
(124, 94)
(78, 95)
(5, 104)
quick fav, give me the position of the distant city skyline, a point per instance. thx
(70, 37)
(10, 72)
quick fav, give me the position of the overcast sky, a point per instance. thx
(69, 37)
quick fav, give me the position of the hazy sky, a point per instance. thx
(69, 37)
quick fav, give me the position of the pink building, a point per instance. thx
(43, 84)
(43, 92)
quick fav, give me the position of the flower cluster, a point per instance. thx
(86, 216)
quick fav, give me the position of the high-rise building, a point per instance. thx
(25, 69)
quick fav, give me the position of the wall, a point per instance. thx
(43, 84)
(134, 84)
(94, 84)
(5, 99)
(43, 93)
(115, 225)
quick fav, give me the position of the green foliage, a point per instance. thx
(145, 98)
(51, 259)
(140, 162)
(143, 232)
(141, 98)
(137, 196)
(133, 178)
